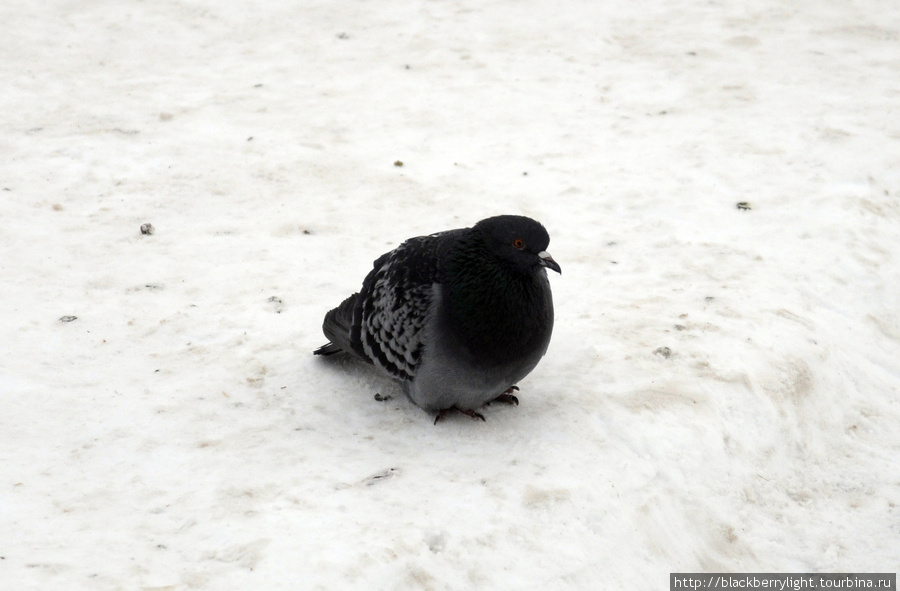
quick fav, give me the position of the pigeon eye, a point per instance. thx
(519, 243)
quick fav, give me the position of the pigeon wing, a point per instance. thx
(396, 302)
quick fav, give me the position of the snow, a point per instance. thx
(721, 391)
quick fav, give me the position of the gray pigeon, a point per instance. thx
(458, 317)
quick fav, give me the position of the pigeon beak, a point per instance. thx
(547, 261)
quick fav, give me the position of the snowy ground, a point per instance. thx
(722, 392)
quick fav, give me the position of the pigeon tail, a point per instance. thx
(328, 349)
(337, 328)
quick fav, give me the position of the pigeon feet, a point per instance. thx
(507, 397)
(469, 413)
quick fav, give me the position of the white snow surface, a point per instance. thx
(722, 392)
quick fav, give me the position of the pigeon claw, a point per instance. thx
(508, 397)
(469, 413)
(472, 413)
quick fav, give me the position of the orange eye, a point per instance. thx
(519, 243)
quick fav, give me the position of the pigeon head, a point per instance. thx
(518, 240)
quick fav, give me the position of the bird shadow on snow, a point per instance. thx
(359, 388)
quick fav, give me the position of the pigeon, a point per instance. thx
(457, 317)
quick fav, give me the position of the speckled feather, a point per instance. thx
(395, 299)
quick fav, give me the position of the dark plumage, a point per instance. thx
(458, 317)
